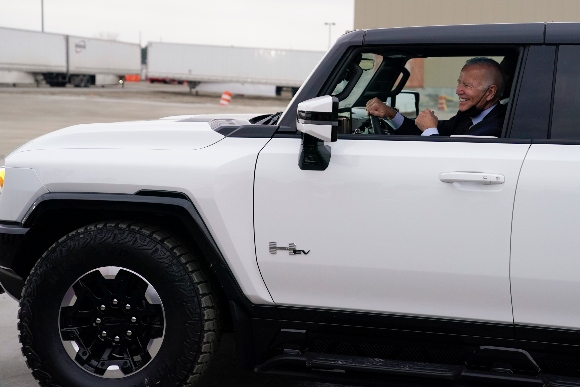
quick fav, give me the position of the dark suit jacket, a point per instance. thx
(491, 125)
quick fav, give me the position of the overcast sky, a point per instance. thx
(286, 24)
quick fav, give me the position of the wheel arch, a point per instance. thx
(54, 215)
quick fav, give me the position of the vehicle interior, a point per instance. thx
(408, 80)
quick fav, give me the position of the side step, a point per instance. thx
(352, 367)
(393, 367)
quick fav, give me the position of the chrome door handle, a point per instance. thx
(471, 177)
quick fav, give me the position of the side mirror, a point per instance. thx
(318, 117)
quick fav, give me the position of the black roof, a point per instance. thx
(565, 33)
(526, 33)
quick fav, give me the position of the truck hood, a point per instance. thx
(178, 132)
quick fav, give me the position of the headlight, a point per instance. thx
(2, 174)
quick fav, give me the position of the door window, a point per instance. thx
(409, 80)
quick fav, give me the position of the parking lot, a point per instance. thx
(28, 112)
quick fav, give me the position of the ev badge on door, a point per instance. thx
(291, 249)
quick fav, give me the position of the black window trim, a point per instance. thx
(556, 141)
(394, 137)
(549, 139)
(515, 92)
(554, 76)
(522, 70)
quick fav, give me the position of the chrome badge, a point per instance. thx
(291, 249)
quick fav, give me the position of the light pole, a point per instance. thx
(329, 28)
(42, 15)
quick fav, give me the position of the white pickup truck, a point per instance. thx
(334, 246)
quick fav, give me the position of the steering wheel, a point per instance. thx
(375, 124)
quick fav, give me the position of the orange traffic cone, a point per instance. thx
(442, 104)
(226, 98)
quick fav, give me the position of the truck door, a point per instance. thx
(379, 231)
(382, 229)
(545, 268)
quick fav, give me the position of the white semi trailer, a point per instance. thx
(30, 56)
(197, 64)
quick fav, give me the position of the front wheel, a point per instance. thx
(118, 304)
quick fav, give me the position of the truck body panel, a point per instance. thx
(97, 56)
(32, 51)
(221, 188)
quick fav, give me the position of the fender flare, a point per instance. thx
(173, 204)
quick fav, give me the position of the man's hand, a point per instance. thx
(377, 108)
(426, 119)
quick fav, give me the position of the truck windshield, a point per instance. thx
(356, 79)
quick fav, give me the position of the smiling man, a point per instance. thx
(479, 88)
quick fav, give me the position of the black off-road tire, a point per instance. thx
(184, 314)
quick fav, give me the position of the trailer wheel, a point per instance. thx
(57, 84)
(118, 304)
(80, 80)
